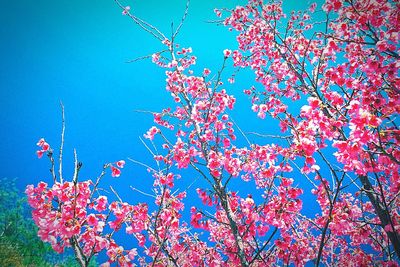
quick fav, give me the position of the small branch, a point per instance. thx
(305, 175)
(182, 21)
(52, 168)
(240, 130)
(328, 221)
(270, 135)
(264, 246)
(116, 194)
(103, 172)
(142, 164)
(62, 142)
(145, 57)
(79, 255)
(143, 24)
(77, 167)
(151, 152)
(141, 192)
(138, 59)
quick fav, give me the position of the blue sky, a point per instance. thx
(76, 52)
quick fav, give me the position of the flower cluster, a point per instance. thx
(44, 147)
(115, 171)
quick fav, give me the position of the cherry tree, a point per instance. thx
(340, 61)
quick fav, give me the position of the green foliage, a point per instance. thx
(19, 243)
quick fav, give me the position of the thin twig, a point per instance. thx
(270, 135)
(143, 24)
(103, 172)
(77, 166)
(52, 168)
(138, 59)
(62, 142)
(142, 164)
(146, 57)
(240, 130)
(182, 21)
(116, 194)
(141, 192)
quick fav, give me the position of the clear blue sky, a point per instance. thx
(75, 51)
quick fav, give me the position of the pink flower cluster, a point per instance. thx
(67, 215)
(44, 147)
(115, 171)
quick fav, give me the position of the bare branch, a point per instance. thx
(182, 21)
(62, 143)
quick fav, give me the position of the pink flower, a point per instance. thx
(92, 220)
(141, 239)
(167, 179)
(151, 133)
(115, 172)
(314, 102)
(388, 228)
(132, 253)
(120, 163)
(312, 7)
(40, 153)
(44, 147)
(227, 53)
(337, 5)
(217, 12)
(226, 142)
(206, 72)
(126, 10)
(40, 142)
(100, 203)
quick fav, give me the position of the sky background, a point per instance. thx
(76, 51)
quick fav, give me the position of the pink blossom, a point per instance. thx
(120, 163)
(44, 147)
(132, 254)
(40, 153)
(226, 142)
(217, 12)
(206, 72)
(126, 10)
(151, 133)
(115, 171)
(227, 53)
(100, 203)
(91, 220)
(312, 7)
(41, 142)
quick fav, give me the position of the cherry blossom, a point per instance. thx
(45, 147)
(126, 10)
